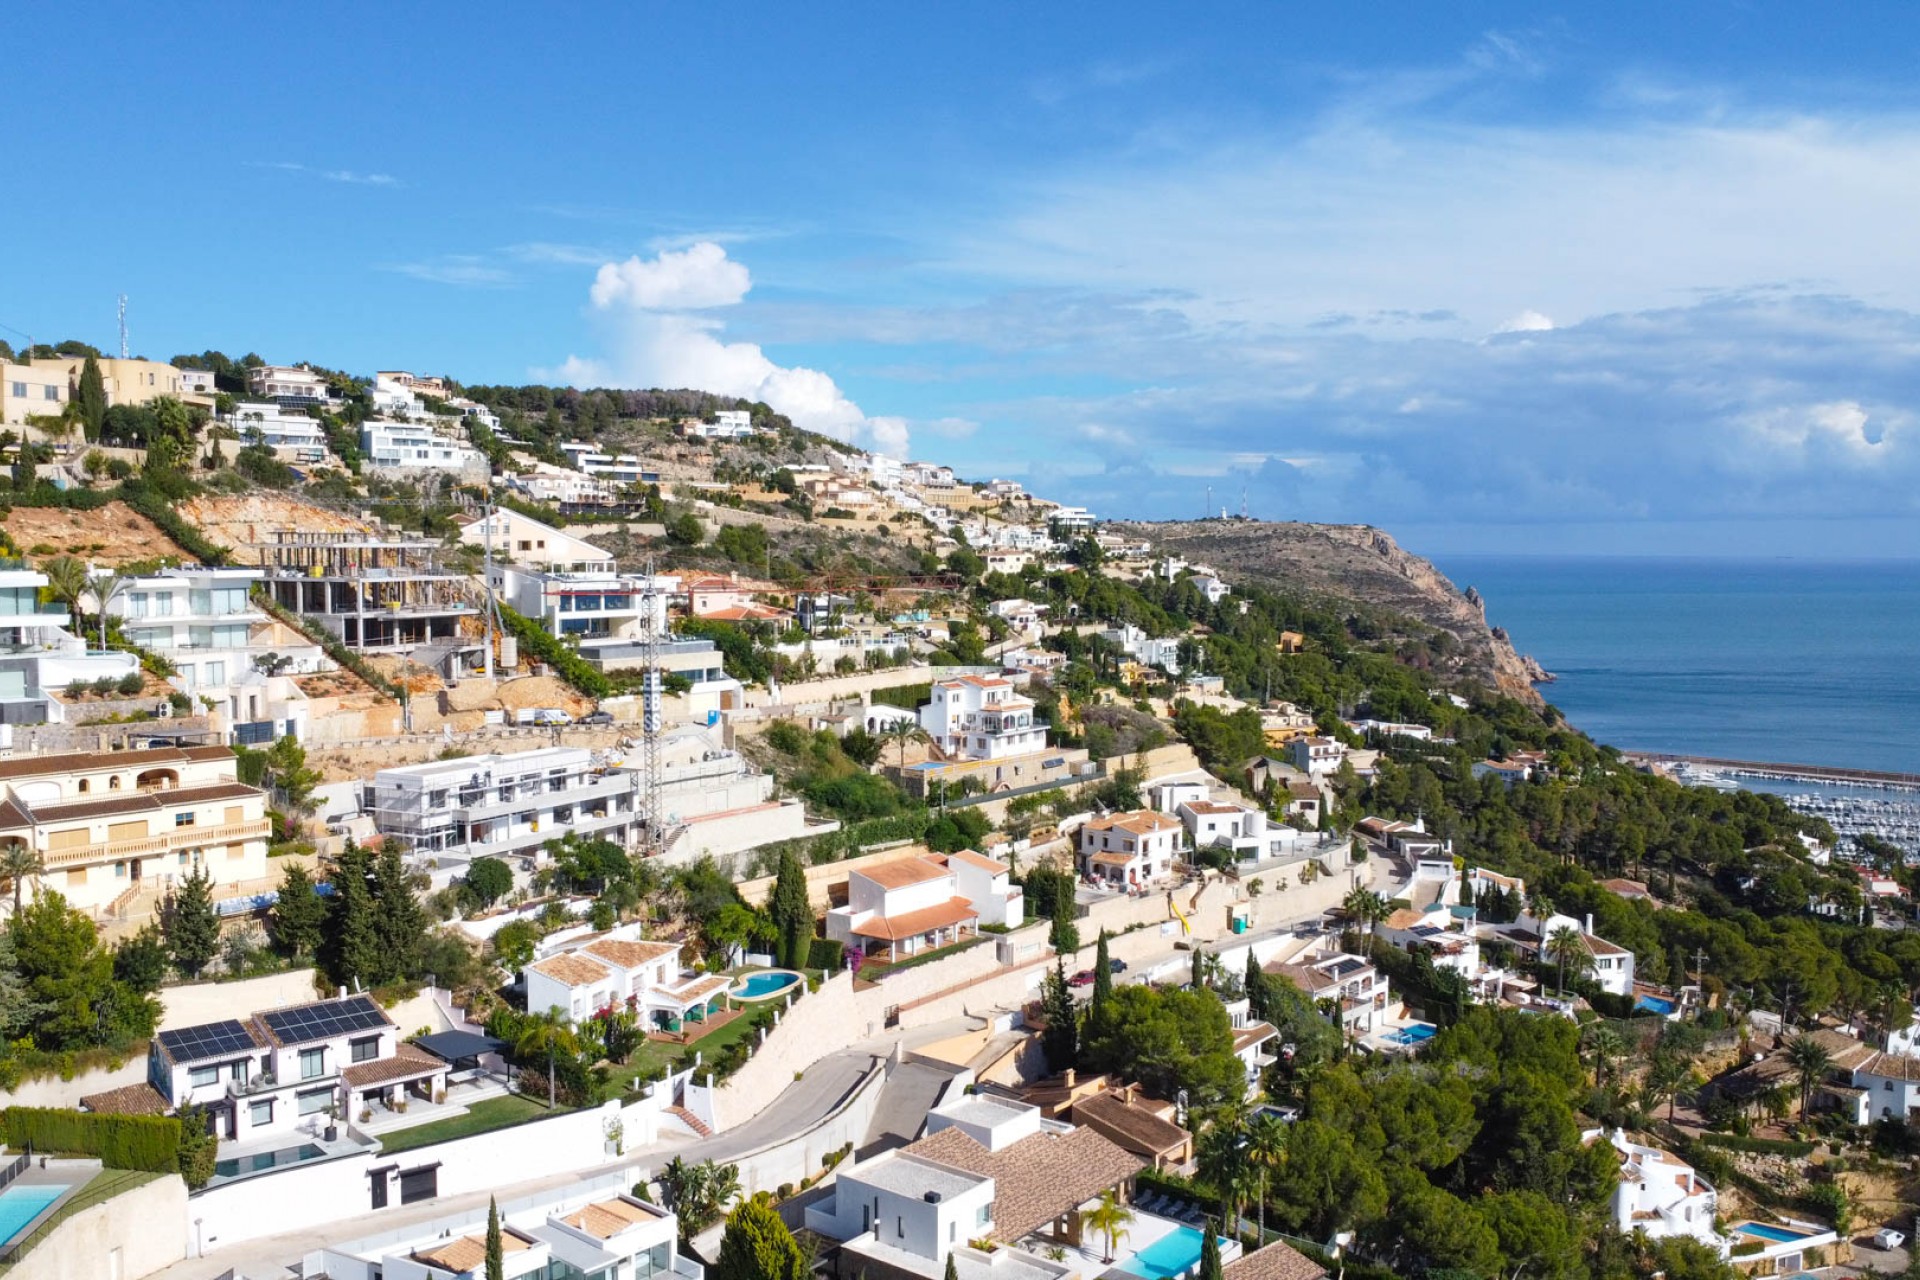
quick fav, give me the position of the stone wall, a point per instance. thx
(129, 1236)
(39, 738)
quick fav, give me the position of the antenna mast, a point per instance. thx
(123, 326)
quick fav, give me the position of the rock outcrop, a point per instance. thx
(1358, 563)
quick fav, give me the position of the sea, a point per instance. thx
(1785, 661)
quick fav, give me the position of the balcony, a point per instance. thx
(155, 846)
(253, 1086)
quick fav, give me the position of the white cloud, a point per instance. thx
(1528, 321)
(694, 278)
(659, 338)
(361, 179)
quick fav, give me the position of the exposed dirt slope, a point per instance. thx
(113, 535)
(1353, 562)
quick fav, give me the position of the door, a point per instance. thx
(380, 1188)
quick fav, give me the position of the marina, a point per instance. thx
(1854, 802)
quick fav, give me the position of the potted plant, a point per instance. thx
(332, 1131)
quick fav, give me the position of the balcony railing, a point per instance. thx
(152, 846)
(252, 1086)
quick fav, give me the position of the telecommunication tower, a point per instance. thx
(123, 326)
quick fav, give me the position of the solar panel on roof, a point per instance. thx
(311, 1022)
(208, 1040)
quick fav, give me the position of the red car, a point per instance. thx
(1084, 978)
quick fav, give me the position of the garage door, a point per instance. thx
(419, 1184)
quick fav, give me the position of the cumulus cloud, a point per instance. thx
(1528, 321)
(661, 336)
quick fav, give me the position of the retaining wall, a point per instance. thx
(132, 1235)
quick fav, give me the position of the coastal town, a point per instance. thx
(521, 832)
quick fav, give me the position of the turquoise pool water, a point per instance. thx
(1655, 1004)
(1171, 1255)
(1763, 1231)
(759, 985)
(1419, 1033)
(21, 1205)
(265, 1160)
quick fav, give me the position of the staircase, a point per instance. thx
(690, 1120)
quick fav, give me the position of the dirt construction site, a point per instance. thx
(115, 534)
(250, 521)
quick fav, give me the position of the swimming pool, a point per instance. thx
(1418, 1033)
(19, 1206)
(265, 1160)
(1766, 1231)
(768, 982)
(1173, 1254)
(1654, 1004)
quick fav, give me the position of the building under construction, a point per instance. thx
(379, 595)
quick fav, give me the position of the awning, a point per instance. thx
(452, 1046)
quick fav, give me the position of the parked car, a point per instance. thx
(1888, 1238)
(597, 717)
(1116, 965)
(1084, 978)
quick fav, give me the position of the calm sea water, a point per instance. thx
(1794, 661)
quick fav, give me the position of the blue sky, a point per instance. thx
(1500, 278)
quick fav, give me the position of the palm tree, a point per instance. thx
(1567, 946)
(67, 581)
(1663, 1081)
(1266, 1152)
(903, 734)
(1810, 1063)
(1109, 1218)
(106, 588)
(1364, 907)
(17, 862)
(1606, 1044)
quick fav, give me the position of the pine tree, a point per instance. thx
(350, 951)
(398, 922)
(496, 1244)
(792, 914)
(192, 926)
(1210, 1268)
(1102, 974)
(758, 1246)
(299, 913)
(1065, 935)
(92, 398)
(1060, 1042)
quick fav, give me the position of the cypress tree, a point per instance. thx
(1060, 1042)
(791, 913)
(1199, 968)
(92, 398)
(398, 922)
(953, 1268)
(1210, 1268)
(1102, 974)
(1256, 987)
(192, 926)
(299, 914)
(496, 1246)
(350, 950)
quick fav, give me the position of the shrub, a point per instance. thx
(538, 643)
(827, 954)
(130, 684)
(149, 1144)
(1759, 1146)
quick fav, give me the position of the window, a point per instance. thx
(314, 1101)
(20, 389)
(183, 819)
(53, 392)
(260, 1113)
(366, 1050)
(313, 1063)
(200, 1077)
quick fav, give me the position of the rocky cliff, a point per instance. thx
(1353, 562)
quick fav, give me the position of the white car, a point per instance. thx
(1888, 1238)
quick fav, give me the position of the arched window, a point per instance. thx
(113, 783)
(84, 787)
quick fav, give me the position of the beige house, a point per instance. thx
(109, 825)
(33, 391)
(136, 381)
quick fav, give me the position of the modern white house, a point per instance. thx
(986, 883)
(1129, 850)
(1443, 931)
(287, 1070)
(290, 433)
(288, 385)
(1239, 827)
(1315, 756)
(620, 970)
(416, 447)
(39, 656)
(1360, 992)
(544, 482)
(591, 1231)
(1147, 650)
(902, 908)
(982, 718)
(615, 469)
(504, 805)
(1660, 1194)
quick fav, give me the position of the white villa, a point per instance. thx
(504, 804)
(904, 907)
(620, 970)
(1363, 997)
(988, 885)
(1129, 850)
(982, 718)
(1660, 1194)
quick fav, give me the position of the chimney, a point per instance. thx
(1589, 922)
(1071, 1073)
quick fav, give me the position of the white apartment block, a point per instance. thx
(405, 446)
(504, 805)
(1315, 756)
(1129, 850)
(288, 385)
(277, 427)
(39, 656)
(584, 1231)
(982, 718)
(110, 824)
(618, 469)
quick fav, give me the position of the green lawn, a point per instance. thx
(105, 1185)
(651, 1060)
(494, 1113)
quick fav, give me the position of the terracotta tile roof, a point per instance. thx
(128, 1100)
(1305, 977)
(1277, 1261)
(95, 761)
(979, 860)
(893, 928)
(696, 989)
(605, 1219)
(1404, 918)
(630, 955)
(744, 613)
(1140, 822)
(13, 817)
(903, 872)
(407, 1063)
(1133, 1127)
(1505, 882)
(209, 791)
(103, 807)
(1112, 859)
(1214, 806)
(469, 1253)
(1038, 1178)
(1601, 947)
(1891, 1066)
(572, 969)
(1626, 888)
(1245, 1038)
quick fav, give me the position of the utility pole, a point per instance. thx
(652, 618)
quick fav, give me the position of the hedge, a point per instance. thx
(536, 642)
(1759, 1146)
(149, 1144)
(157, 509)
(825, 953)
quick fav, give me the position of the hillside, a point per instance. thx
(1352, 562)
